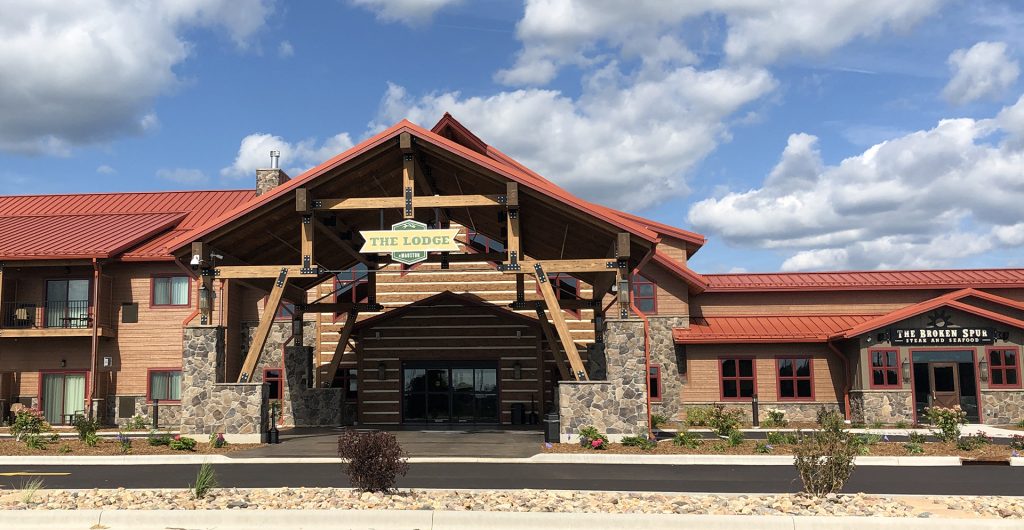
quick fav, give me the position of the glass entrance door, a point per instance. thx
(449, 393)
(944, 384)
(63, 396)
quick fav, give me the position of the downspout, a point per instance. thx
(647, 340)
(95, 343)
(847, 382)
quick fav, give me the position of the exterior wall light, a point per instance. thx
(906, 369)
(382, 371)
(517, 370)
(204, 298)
(983, 368)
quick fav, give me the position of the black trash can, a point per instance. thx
(551, 434)
(518, 414)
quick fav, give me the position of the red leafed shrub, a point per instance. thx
(375, 459)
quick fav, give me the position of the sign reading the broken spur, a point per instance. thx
(409, 241)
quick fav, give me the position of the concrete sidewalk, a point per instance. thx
(469, 520)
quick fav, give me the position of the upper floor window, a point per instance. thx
(645, 296)
(171, 291)
(347, 285)
(482, 243)
(795, 378)
(1004, 367)
(885, 371)
(285, 311)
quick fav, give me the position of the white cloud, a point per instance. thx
(409, 12)
(627, 141)
(984, 70)
(182, 175)
(926, 199)
(254, 153)
(84, 72)
(559, 32)
(105, 170)
(285, 49)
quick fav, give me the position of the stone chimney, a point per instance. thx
(268, 179)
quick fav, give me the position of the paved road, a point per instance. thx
(969, 480)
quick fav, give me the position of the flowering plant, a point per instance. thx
(217, 440)
(948, 420)
(590, 437)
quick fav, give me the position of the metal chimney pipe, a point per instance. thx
(275, 155)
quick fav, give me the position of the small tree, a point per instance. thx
(824, 458)
(375, 459)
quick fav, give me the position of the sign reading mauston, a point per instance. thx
(944, 336)
(409, 241)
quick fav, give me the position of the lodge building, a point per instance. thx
(508, 298)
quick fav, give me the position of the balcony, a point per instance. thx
(50, 319)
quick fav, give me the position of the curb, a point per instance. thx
(545, 458)
(447, 520)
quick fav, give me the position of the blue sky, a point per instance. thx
(856, 135)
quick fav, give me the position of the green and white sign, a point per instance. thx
(409, 241)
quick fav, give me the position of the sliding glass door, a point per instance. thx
(67, 303)
(63, 396)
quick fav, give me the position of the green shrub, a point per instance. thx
(902, 424)
(876, 425)
(779, 438)
(591, 438)
(776, 418)
(762, 448)
(947, 420)
(916, 438)
(217, 440)
(717, 447)
(657, 420)
(159, 439)
(829, 420)
(124, 443)
(91, 439)
(735, 438)
(824, 459)
(687, 439)
(723, 420)
(137, 423)
(972, 442)
(913, 448)
(639, 441)
(183, 443)
(868, 438)
(85, 426)
(64, 449)
(375, 459)
(34, 441)
(698, 416)
(1020, 424)
(206, 480)
(28, 423)
(1017, 442)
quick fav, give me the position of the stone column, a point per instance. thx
(663, 353)
(618, 405)
(305, 406)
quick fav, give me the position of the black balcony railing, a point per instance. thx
(62, 314)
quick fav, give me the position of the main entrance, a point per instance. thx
(449, 392)
(945, 378)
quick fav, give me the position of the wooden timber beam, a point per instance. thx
(431, 201)
(263, 330)
(556, 349)
(408, 175)
(342, 244)
(579, 371)
(260, 271)
(512, 245)
(622, 274)
(568, 265)
(339, 350)
(467, 258)
(307, 231)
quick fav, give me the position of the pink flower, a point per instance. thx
(177, 436)
(596, 443)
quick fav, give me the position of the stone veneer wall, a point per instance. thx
(803, 412)
(663, 353)
(304, 406)
(618, 405)
(207, 407)
(881, 406)
(170, 413)
(1002, 407)
(274, 356)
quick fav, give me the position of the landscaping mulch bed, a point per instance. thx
(519, 501)
(720, 447)
(140, 446)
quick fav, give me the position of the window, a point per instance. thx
(795, 378)
(347, 285)
(1004, 368)
(885, 371)
(737, 378)
(165, 385)
(273, 378)
(349, 380)
(285, 311)
(171, 291)
(483, 243)
(655, 382)
(644, 295)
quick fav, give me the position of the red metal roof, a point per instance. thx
(954, 300)
(78, 236)
(866, 280)
(99, 224)
(766, 329)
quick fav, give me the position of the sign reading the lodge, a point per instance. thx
(944, 336)
(409, 241)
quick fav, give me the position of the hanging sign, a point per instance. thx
(409, 241)
(943, 336)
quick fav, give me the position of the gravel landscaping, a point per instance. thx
(747, 447)
(518, 501)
